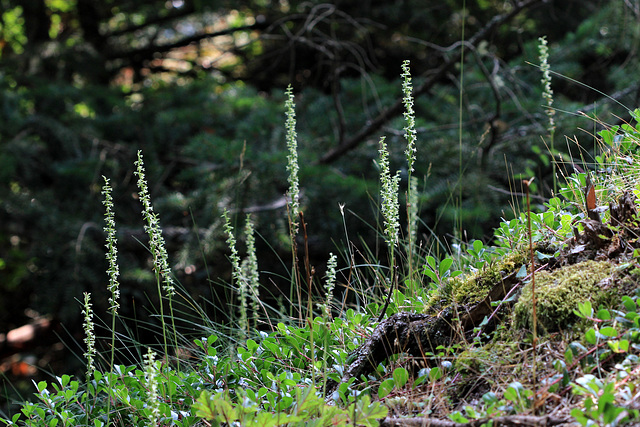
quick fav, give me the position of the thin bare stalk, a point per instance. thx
(534, 340)
(309, 269)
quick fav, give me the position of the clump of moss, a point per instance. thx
(559, 292)
(473, 360)
(478, 359)
(476, 287)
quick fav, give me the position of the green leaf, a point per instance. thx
(629, 304)
(518, 395)
(609, 331)
(621, 346)
(580, 418)
(369, 413)
(212, 408)
(252, 346)
(472, 413)
(385, 387)
(590, 336)
(433, 276)
(41, 413)
(607, 136)
(400, 377)
(490, 398)
(431, 262)
(456, 273)
(559, 366)
(265, 419)
(512, 393)
(418, 381)
(543, 257)
(457, 417)
(285, 403)
(624, 345)
(590, 385)
(444, 266)
(603, 314)
(435, 374)
(568, 356)
(307, 401)
(522, 272)
(64, 380)
(585, 310)
(605, 399)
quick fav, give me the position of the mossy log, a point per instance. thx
(419, 334)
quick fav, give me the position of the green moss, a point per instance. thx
(475, 287)
(474, 360)
(477, 360)
(559, 292)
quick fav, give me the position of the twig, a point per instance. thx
(533, 297)
(148, 51)
(436, 75)
(307, 263)
(509, 420)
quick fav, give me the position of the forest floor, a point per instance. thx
(582, 369)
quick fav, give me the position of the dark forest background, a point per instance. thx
(199, 86)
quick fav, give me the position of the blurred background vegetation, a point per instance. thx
(198, 85)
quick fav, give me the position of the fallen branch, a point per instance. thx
(25, 337)
(419, 334)
(506, 421)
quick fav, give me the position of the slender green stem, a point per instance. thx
(114, 272)
(461, 94)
